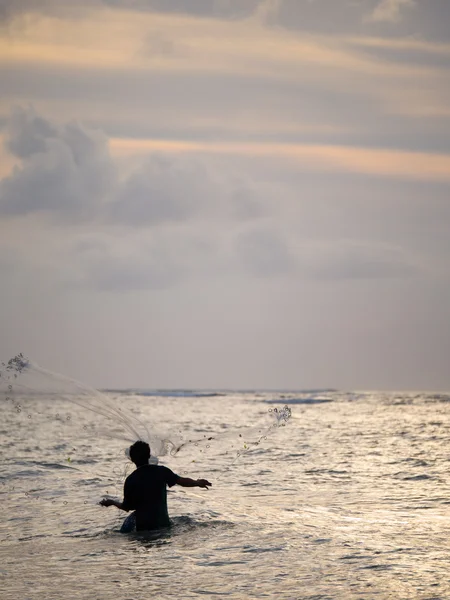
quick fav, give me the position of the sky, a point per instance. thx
(227, 193)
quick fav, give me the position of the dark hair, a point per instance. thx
(139, 452)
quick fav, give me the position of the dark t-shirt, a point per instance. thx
(145, 492)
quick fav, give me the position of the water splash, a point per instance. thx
(27, 388)
(21, 381)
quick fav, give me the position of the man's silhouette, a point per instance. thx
(145, 490)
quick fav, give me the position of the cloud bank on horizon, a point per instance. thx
(227, 193)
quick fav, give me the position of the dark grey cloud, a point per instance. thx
(106, 265)
(426, 19)
(64, 169)
(10, 10)
(433, 17)
(28, 134)
(196, 105)
(171, 201)
(264, 253)
(390, 11)
(162, 189)
(157, 44)
(226, 9)
(246, 203)
(417, 19)
(350, 259)
(229, 9)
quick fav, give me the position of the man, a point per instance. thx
(145, 490)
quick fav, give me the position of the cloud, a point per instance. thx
(109, 264)
(205, 83)
(246, 203)
(11, 9)
(266, 12)
(256, 50)
(264, 253)
(390, 10)
(350, 259)
(378, 162)
(157, 44)
(65, 169)
(162, 189)
(182, 213)
(228, 9)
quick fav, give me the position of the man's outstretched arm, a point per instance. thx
(188, 482)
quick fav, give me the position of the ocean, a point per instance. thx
(350, 499)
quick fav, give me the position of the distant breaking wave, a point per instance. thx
(300, 401)
(167, 393)
(282, 396)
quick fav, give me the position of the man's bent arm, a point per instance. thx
(112, 502)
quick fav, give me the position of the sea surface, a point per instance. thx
(349, 500)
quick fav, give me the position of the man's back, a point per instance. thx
(145, 491)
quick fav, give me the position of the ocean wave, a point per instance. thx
(299, 401)
(181, 393)
(436, 398)
(168, 393)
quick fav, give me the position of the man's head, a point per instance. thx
(140, 453)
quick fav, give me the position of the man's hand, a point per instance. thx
(107, 502)
(112, 502)
(188, 482)
(203, 483)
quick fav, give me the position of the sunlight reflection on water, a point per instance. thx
(349, 501)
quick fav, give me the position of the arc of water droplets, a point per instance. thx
(100, 403)
(13, 379)
(282, 417)
(93, 400)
